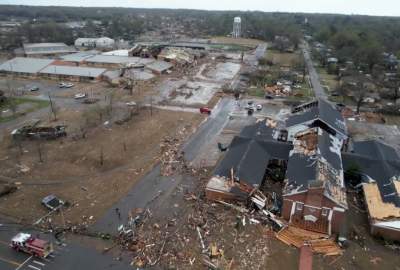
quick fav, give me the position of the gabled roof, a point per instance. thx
(250, 152)
(316, 161)
(318, 109)
(380, 162)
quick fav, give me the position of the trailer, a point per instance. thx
(25, 242)
(33, 132)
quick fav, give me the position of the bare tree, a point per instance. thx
(40, 151)
(101, 156)
(53, 108)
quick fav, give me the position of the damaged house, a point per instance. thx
(246, 162)
(314, 196)
(318, 113)
(379, 168)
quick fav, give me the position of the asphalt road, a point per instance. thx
(153, 190)
(314, 77)
(69, 256)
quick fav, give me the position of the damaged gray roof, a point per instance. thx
(250, 152)
(249, 158)
(303, 169)
(318, 109)
(380, 162)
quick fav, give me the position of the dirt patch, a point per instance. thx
(84, 170)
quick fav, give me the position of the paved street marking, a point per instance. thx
(33, 267)
(9, 261)
(22, 264)
(40, 263)
(51, 255)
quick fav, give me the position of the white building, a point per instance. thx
(102, 42)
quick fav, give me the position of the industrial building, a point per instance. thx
(100, 43)
(24, 66)
(72, 73)
(79, 57)
(110, 61)
(46, 49)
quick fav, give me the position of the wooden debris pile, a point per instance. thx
(320, 243)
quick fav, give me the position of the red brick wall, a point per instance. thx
(315, 198)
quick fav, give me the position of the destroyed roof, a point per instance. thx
(260, 130)
(159, 66)
(111, 59)
(25, 65)
(316, 161)
(249, 158)
(380, 162)
(73, 71)
(318, 109)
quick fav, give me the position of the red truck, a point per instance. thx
(205, 110)
(27, 243)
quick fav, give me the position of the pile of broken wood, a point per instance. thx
(319, 243)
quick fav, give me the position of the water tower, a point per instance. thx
(237, 27)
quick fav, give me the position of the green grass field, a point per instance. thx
(15, 102)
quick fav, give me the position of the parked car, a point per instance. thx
(205, 110)
(52, 202)
(131, 104)
(269, 97)
(249, 107)
(65, 85)
(34, 88)
(80, 95)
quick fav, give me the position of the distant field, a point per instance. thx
(237, 41)
(282, 58)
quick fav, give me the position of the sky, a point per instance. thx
(364, 7)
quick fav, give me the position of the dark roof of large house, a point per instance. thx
(315, 161)
(303, 169)
(380, 162)
(250, 152)
(318, 109)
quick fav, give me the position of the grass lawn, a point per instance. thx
(304, 91)
(283, 58)
(15, 102)
(256, 92)
(328, 81)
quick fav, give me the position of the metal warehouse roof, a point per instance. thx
(25, 65)
(47, 48)
(73, 71)
(79, 56)
(112, 59)
(159, 66)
